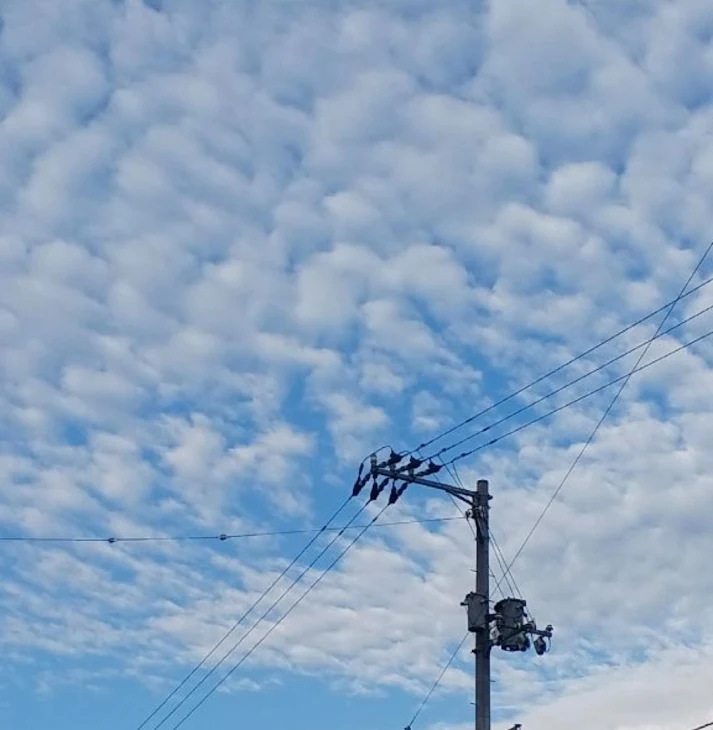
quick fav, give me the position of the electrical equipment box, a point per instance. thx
(510, 625)
(477, 612)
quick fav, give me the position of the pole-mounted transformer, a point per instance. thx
(508, 624)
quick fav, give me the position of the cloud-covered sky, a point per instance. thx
(243, 244)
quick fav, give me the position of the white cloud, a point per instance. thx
(242, 247)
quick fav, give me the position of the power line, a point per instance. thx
(559, 368)
(358, 486)
(567, 385)
(456, 478)
(511, 586)
(265, 614)
(254, 605)
(453, 471)
(702, 727)
(507, 576)
(434, 686)
(608, 409)
(279, 621)
(220, 538)
(578, 399)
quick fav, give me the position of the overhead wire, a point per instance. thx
(434, 686)
(220, 538)
(578, 399)
(364, 528)
(560, 389)
(242, 618)
(375, 492)
(703, 727)
(507, 576)
(265, 614)
(247, 655)
(453, 471)
(625, 380)
(472, 529)
(556, 370)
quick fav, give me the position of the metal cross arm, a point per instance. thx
(466, 495)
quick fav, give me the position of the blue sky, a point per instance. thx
(243, 244)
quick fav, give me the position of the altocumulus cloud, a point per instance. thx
(243, 244)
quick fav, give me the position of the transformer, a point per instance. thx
(477, 613)
(510, 625)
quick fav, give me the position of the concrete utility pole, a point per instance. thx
(507, 625)
(480, 513)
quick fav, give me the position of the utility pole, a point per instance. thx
(507, 625)
(480, 514)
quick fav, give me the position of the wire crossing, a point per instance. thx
(556, 370)
(265, 614)
(507, 575)
(624, 382)
(578, 399)
(560, 389)
(253, 606)
(247, 655)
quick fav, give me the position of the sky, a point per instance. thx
(242, 245)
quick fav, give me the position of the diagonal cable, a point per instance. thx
(453, 471)
(645, 344)
(580, 398)
(608, 409)
(434, 686)
(265, 614)
(558, 369)
(247, 655)
(252, 607)
(507, 576)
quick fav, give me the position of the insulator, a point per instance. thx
(432, 469)
(394, 459)
(414, 463)
(396, 493)
(359, 484)
(377, 489)
(222, 537)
